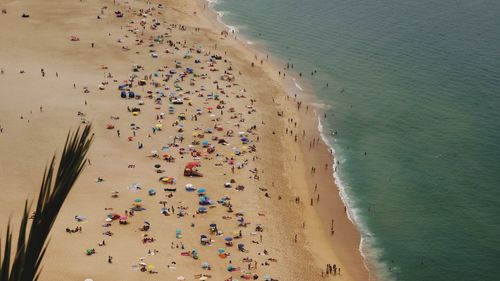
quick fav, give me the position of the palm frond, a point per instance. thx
(56, 185)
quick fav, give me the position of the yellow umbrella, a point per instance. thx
(150, 267)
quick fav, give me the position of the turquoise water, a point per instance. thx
(415, 85)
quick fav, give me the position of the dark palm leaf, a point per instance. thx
(53, 191)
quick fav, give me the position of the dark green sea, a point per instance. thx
(416, 85)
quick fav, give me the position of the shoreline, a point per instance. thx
(308, 94)
(281, 174)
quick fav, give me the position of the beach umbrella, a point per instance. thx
(202, 209)
(228, 238)
(221, 251)
(123, 218)
(138, 200)
(203, 278)
(157, 166)
(150, 267)
(88, 279)
(201, 190)
(180, 278)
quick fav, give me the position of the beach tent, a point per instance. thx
(189, 169)
(190, 187)
(203, 239)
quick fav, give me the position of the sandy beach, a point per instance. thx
(167, 88)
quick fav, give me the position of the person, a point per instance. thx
(110, 259)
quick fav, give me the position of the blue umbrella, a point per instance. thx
(228, 239)
(202, 190)
(221, 251)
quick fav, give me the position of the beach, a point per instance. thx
(200, 99)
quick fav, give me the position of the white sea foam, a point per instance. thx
(220, 15)
(297, 85)
(211, 3)
(321, 106)
(367, 247)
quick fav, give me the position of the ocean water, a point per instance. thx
(415, 85)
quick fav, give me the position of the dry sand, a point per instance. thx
(283, 164)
